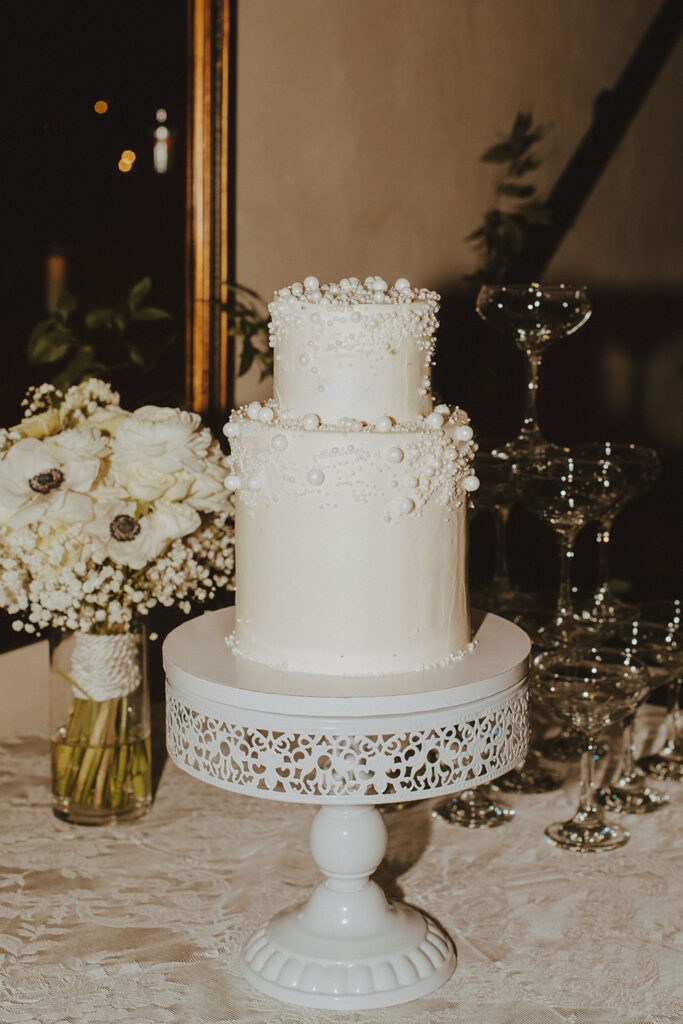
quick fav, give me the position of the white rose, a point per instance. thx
(157, 452)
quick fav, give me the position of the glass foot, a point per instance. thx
(530, 777)
(631, 795)
(473, 809)
(587, 834)
(664, 765)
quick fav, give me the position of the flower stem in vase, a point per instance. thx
(101, 757)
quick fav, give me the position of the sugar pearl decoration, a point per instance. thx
(254, 483)
(471, 483)
(253, 410)
(413, 482)
(266, 414)
(315, 477)
(231, 482)
(231, 429)
(402, 284)
(379, 285)
(311, 284)
(395, 455)
(406, 505)
(311, 420)
(384, 423)
(279, 442)
(434, 421)
(464, 433)
(356, 426)
(443, 409)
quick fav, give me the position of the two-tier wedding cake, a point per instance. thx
(351, 490)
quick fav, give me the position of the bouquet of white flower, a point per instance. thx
(104, 514)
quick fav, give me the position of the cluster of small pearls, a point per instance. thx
(351, 290)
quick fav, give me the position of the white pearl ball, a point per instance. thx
(450, 454)
(296, 288)
(279, 442)
(413, 482)
(402, 284)
(379, 285)
(231, 482)
(471, 483)
(434, 421)
(443, 409)
(429, 471)
(311, 283)
(384, 423)
(315, 477)
(407, 505)
(254, 483)
(356, 426)
(395, 455)
(266, 414)
(311, 421)
(231, 429)
(345, 422)
(464, 433)
(253, 409)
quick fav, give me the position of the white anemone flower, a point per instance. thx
(50, 477)
(132, 540)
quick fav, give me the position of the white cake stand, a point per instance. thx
(271, 734)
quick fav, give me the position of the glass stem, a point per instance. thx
(627, 751)
(501, 576)
(587, 805)
(565, 606)
(530, 426)
(603, 538)
(673, 715)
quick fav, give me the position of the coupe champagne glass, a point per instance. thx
(565, 492)
(656, 645)
(590, 687)
(667, 763)
(640, 468)
(533, 315)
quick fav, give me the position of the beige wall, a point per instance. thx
(360, 124)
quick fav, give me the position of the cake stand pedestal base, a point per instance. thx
(347, 947)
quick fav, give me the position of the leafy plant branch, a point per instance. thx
(102, 341)
(503, 237)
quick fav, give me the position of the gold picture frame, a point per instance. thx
(209, 372)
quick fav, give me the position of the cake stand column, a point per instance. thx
(347, 946)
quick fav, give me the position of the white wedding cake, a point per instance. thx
(351, 490)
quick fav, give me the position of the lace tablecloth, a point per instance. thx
(143, 923)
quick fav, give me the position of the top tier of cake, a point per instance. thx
(354, 349)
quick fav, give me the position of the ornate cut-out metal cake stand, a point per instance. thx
(255, 730)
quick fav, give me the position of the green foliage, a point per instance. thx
(504, 235)
(248, 322)
(103, 341)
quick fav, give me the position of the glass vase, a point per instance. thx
(100, 726)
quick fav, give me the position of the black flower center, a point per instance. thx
(50, 480)
(124, 528)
